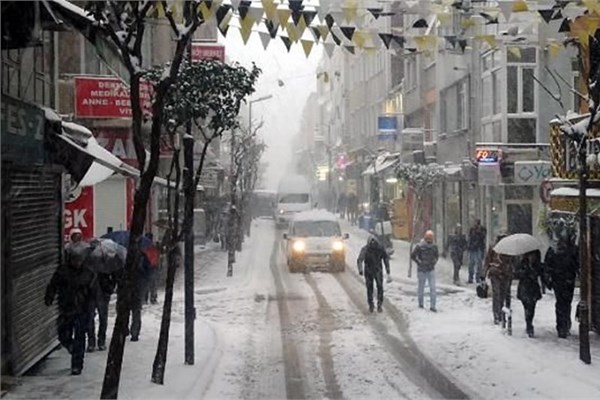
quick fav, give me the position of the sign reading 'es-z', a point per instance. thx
(107, 97)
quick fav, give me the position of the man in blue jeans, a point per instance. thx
(476, 247)
(426, 256)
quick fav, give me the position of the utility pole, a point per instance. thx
(232, 208)
(584, 259)
(188, 176)
(329, 169)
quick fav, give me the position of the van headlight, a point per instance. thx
(338, 245)
(299, 246)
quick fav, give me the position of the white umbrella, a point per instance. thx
(517, 244)
(107, 256)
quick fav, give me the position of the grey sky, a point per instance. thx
(282, 113)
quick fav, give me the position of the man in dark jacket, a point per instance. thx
(426, 255)
(73, 281)
(372, 255)
(476, 247)
(498, 268)
(457, 244)
(561, 266)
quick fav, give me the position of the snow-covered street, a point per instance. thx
(266, 333)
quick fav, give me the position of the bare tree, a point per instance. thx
(208, 95)
(124, 24)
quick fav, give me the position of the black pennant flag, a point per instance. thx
(309, 16)
(348, 31)
(463, 44)
(376, 12)
(399, 40)
(565, 26)
(451, 39)
(420, 23)
(272, 28)
(295, 5)
(296, 17)
(335, 38)
(220, 14)
(546, 14)
(329, 21)
(287, 42)
(316, 32)
(350, 49)
(243, 8)
(386, 38)
(557, 14)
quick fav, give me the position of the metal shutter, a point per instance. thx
(35, 245)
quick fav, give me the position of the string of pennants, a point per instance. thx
(348, 24)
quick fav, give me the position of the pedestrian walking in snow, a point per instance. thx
(426, 255)
(476, 248)
(151, 293)
(137, 298)
(561, 266)
(529, 290)
(342, 204)
(498, 268)
(456, 245)
(102, 290)
(372, 255)
(73, 283)
(352, 207)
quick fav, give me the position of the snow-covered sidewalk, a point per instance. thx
(462, 339)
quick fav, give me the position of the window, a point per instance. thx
(527, 90)
(520, 84)
(512, 85)
(521, 130)
(462, 105)
(518, 192)
(497, 92)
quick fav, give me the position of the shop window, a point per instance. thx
(519, 218)
(527, 55)
(521, 130)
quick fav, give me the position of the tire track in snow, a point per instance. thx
(326, 326)
(292, 368)
(417, 366)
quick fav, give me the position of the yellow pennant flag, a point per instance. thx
(359, 38)
(270, 9)
(445, 18)
(292, 31)
(349, 9)
(205, 11)
(467, 23)
(515, 51)
(245, 34)
(160, 10)
(324, 31)
(489, 39)
(554, 49)
(301, 27)
(307, 46)
(426, 42)
(520, 6)
(284, 16)
(592, 5)
(371, 51)
(246, 24)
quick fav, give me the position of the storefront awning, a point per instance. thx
(382, 163)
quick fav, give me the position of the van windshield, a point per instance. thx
(316, 228)
(294, 198)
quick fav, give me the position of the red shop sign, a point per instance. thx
(107, 97)
(79, 212)
(208, 52)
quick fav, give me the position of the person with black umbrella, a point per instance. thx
(73, 283)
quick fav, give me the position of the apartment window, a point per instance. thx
(497, 92)
(521, 130)
(520, 84)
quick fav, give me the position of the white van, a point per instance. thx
(293, 196)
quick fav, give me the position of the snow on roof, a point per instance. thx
(574, 192)
(315, 215)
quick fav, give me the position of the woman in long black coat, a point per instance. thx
(529, 290)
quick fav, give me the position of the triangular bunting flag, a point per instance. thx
(451, 39)
(515, 51)
(349, 10)
(256, 14)
(420, 23)
(246, 26)
(554, 49)
(546, 15)
(270, 9)
(235, 4)
(205, 11)
(316, 33)
(293, 32)
(296, 15)
(400, 40)
(243, 8)
(265, 39)
(283, 16)
(359, 38)
(386, 38)
(272, 28)
(245, 34)
(335, 39)
(519, 6)
(506, 9)
(287, 42)
(350, 49)
(329, 21)
(324, 30)
(329, 48)
(309, 16)
(307, 46)
(348, 31)
(223, 16)
(295, 5)
(375, 12)
(426, 42)
(565, 26)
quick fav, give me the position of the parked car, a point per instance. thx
(314, 241)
